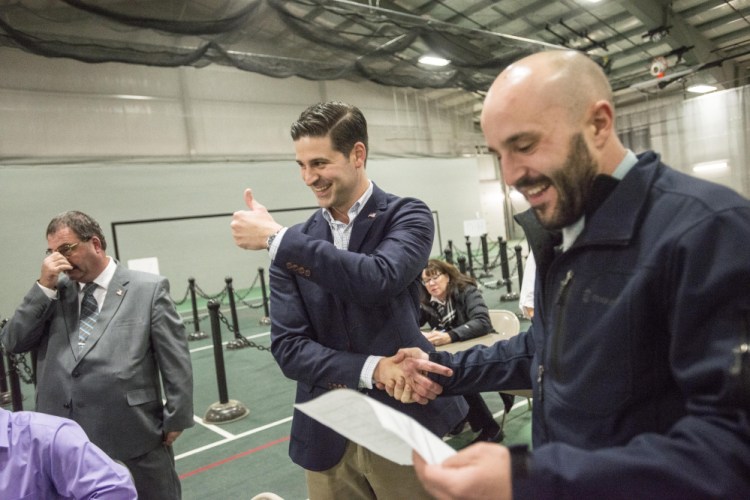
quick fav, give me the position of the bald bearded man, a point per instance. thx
(638, 349)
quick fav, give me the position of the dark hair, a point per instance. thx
(455, 277)
(81, 224)
(345, 124)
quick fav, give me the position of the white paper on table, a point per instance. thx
(379, 428)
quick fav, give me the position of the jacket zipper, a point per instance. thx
(557, 340)
(540, 381)
(740, 366)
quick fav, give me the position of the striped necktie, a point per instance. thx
(89, 313)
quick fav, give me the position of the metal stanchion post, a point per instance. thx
(462, 264)
(519, 265)
(448, 255)
(197, 334)
(5, 397)
(265, 320)
(15, 383)
(239, 341)
(485, 258)
(470, 257)
(506, 271)
(226, 410)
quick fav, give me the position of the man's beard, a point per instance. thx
(573, 183)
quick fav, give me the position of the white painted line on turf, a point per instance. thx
(233, 438)
(213, 427)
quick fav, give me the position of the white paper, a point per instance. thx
(475, 228)
(379, 428)
(147, 264)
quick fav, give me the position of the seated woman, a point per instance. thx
(455, 310)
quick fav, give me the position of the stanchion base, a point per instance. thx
(6, 398)
(509, 297)
(238, 343)
(197, 336)
(222, 413)
(265, 320)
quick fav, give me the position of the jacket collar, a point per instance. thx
(611, 218)
(376, 205)
(616, 219)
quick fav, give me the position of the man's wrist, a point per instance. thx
(271, 237)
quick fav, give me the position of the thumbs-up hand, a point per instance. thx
(250, 201)
(251, 228)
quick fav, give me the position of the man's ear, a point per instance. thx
(96, 242)
(359, 154)
(602, 120)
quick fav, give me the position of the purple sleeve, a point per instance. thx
(78, 468)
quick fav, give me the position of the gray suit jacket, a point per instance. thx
(112, 388)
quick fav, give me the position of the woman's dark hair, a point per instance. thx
(345, 124)
(456, 279)
(81, 224)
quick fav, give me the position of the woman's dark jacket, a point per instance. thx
(472, 316)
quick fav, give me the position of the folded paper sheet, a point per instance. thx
(377, 427)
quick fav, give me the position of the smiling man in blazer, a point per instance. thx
(106, 377)
(344, 297)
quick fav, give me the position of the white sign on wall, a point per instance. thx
(475, 228)
(147, 264)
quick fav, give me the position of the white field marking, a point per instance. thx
(232, 438)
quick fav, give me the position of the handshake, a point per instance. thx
(404, 376)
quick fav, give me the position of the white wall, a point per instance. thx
(200, 248)
(59, 109)
(128, 142)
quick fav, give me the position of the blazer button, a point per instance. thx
(66, 406)
(76, 374)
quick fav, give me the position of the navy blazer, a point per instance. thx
(331, 309)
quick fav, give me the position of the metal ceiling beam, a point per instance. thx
(655, 13)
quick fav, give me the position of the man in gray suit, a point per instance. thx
(104, 371)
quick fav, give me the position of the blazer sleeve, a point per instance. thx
(402, 237)
(170, 345)
(295, 344)
(385, 257)
(28, 324)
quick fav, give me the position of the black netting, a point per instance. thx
(312, 39)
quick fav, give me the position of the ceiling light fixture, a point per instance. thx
(711, 168)
(700, 88)
(434, 61)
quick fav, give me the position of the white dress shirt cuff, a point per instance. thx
(49, 292)
(368, 370)
(276, 242)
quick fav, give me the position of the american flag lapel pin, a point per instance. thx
(119, 292)
(371, 215)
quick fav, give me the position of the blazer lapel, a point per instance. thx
(318, 228)
(366, 217)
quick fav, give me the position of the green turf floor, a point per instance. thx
(248, 456)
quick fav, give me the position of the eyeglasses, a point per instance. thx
(65, 249)
(431, 279)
